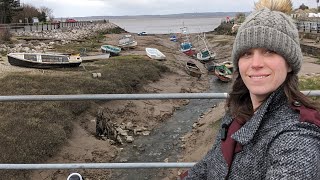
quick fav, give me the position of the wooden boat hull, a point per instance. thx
(41, 65)
(223, 71)
(222, 78)
(193, 70)
(190, 52)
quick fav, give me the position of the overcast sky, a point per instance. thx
(82, 8)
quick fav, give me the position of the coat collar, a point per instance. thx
(246, 133)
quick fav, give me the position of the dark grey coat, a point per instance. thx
(276, 145)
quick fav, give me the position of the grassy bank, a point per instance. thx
(31, 132)
(91, 43)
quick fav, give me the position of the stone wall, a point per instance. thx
(310, 50)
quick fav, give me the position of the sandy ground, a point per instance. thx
(83, 147)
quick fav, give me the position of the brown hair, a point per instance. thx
(239, 103)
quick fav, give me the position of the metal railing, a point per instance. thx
(81, 97)
(308, 26)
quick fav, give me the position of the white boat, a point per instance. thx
(44, 60)
(95, 57)
(127, 41)
(154, 53)
(205, 55)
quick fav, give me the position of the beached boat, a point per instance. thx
(154, 53)
(223, 71)
(95, 57)
(186, 48)
(192, 69)
(113, 50)
(43, 60)
(173, 38)
(127, 41)
(205, 55)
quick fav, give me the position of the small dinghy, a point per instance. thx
(113, 50)
(154, 53)
(192, 69)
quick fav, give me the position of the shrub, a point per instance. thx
(5, 34)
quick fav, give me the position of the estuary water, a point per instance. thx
(153, 25)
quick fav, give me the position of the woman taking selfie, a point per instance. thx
(270, 129)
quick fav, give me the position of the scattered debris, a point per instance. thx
(104, 127)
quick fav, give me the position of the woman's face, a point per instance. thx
(262, 71)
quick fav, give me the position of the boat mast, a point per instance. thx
(204, 41)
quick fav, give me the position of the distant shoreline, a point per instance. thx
(183, 15)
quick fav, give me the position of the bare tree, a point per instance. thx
(26, 14)
(47, 11)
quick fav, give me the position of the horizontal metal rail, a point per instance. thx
(143, 165)
(82, 97)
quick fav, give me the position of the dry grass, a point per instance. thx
(31, 132)
(91, 43)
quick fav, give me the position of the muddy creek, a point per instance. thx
(163, 142)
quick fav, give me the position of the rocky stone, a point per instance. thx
(129, 139)
(129, 126)
(65, 36)
(146, 133)
(122, 132)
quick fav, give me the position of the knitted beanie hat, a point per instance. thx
(272, 30)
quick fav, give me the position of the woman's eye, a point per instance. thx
(246, 54)
(269, 52)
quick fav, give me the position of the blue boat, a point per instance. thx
(113, 50)
(173, 38)
(185, 46)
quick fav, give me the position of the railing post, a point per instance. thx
(310, 27)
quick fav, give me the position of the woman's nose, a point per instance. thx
(257, 60)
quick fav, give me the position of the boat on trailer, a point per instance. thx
(43, 60)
